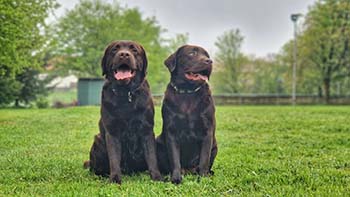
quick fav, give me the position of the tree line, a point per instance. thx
(74, 43)
(323, 58)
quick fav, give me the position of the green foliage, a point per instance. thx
(229, 45)
(236, 73)
(178, 41)
(308, 77)
(263, 151)
(323, 51)
(229, 62)
(31, 86)
(42, 102)
(265, 76)
(24, 88)
(323, 57)
(83, 33)
(21, 33)
(22, 40)
(9, 89)
(326, 40)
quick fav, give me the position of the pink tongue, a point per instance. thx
(120, 75)
(202, 77)
(197, 77)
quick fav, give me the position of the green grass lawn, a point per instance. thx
(263, 151)
(62, 96)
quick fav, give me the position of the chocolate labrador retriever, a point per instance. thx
(187, 142)
(126, 141)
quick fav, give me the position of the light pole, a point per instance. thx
(295, 18)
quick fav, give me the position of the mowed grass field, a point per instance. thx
(263, 151)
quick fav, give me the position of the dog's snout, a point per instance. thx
(124, 55)
(208, 61)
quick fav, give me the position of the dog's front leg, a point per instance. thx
(151, 158)
(174, 158)
(205, 154)
(114, 154)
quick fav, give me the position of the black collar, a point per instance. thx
(185, 91)
(129, 93)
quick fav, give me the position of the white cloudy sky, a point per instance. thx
(265, 24)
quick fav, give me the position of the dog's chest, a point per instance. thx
(188, 117)
(189, 123)
(187, 104)
(187, 108)
(126, 119)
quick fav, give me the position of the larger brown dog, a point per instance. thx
(126, 140)
(187, 141)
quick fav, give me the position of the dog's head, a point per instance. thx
(191, 64)
(124, 62)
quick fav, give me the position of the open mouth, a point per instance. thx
(124, 72)
(198, 76)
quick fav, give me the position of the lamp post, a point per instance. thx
(295, 18)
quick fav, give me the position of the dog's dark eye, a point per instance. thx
(193, 53)
(115, 48)
(133, 49)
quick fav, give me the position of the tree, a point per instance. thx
(24, 88)
(229, 62)
(9, 88)
(326, 40)
(21, 33)
(178, 41)
(266, 75)
(82, 34)
(22, 40)
(308, 76)
(31, 86)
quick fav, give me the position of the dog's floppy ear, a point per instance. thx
(144, 61)
(170, 62)
(104, 62)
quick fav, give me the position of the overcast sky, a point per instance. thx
(265, 24)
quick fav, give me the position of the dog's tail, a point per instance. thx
(86, 164)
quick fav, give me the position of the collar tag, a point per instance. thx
(129, 97)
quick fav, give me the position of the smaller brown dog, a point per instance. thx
(187, 141)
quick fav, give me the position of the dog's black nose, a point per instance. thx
(208, 61)
(124, 54)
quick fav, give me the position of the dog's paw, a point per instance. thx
(203, 172)
(176, 178)
(156, 176)
(115, 179)
(211, 173)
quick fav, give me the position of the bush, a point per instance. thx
(42, 102)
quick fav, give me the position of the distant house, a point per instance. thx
(61, 83)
